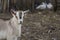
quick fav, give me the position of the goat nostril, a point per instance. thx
(20, 17)
(20, 22)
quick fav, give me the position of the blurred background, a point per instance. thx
(41, 23)
(6, 5)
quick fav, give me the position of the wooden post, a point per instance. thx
(32, 5)
(55, 5)
(4, 5)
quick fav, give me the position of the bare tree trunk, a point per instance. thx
(5, 4)
(32, 5)
(2, 5)
(55, 7)
(8, 5)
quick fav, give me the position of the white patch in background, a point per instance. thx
(54, 39)
(49, 6)
(42, 6)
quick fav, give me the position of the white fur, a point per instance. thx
(45, 6)
(11, 29)
(22, 16)
(49, 6)
(42, 6)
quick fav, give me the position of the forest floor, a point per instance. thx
(43, 25)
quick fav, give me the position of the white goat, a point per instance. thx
(49, 6)
(20, 15)
(11, 29)
(45, 6)
(42, 6)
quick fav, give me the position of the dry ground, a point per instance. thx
(43, 25)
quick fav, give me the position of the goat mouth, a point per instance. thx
(20, 22)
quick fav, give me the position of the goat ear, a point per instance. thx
(13, 12)
(26, 11)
